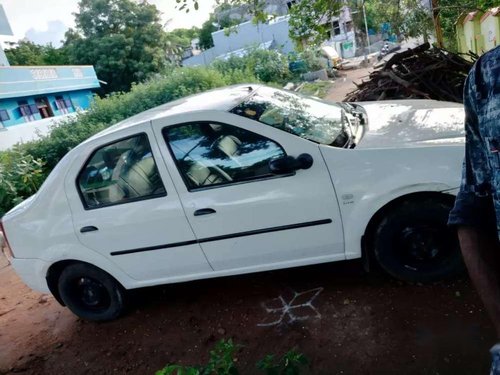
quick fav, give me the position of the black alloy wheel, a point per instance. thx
(91, 293)
(413, 242)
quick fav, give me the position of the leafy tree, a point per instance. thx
(123, 39)
(450, 10)
(417, 20)
(407, 17)
(26, 53)
(183, 37)
(307, 21)
(55, 56)
(205, 35)
(29, 53)
(220, 19)
(256, 8)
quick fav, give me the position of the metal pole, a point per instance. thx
(366, 27)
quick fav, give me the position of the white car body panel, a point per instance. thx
(306, 196)
(159, 221)
(401, 153)
(382, 176)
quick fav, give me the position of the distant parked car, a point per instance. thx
(242, 179)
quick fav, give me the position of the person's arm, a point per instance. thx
(473, 199)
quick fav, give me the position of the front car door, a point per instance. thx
(125, 207)
(245, 217)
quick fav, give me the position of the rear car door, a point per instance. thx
(245, 217)
(125, 207)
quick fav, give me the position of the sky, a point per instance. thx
(47, 21)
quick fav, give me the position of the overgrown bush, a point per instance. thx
(311, 57)
(24, 168)
(264, 65)
(20, 176)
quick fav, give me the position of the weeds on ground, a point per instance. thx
(222, 362)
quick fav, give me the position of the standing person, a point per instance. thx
(477, 208)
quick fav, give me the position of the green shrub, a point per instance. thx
(312, 59)
(264, 65)
(223, 362)
(24, 168)
(20, 176)
(290, 364)
(270, 66)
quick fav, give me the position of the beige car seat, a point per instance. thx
(229, 145)
(201, 175)
(139, 178)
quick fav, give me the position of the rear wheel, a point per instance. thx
(414, 243)
(91, 293)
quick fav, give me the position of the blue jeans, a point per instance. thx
(495, 364)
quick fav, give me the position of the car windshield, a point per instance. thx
(303, 116)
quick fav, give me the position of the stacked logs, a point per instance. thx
(419, 73)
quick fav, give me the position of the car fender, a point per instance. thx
(80, 253)
(356, 223)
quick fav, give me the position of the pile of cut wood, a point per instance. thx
(419, 73)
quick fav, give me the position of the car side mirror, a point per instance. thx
(289, 164)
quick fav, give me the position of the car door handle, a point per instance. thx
(204, 211)
(90, 228)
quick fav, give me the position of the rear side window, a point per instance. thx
(120, 172)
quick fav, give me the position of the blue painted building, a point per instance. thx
(30, 93)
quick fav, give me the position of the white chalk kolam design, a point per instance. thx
(299, 308)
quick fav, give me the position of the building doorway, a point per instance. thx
(44, 107)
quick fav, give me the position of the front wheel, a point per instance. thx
(413, 242)
(91, 293)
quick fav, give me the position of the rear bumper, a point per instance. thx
(32, 272)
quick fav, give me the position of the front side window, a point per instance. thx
(120, 172)
(303, 116)
(217, 154)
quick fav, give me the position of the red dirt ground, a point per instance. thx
(369, 324)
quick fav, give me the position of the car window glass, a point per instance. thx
(120, 172)
(305, 117)
(214, 154)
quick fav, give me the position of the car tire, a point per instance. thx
(91, 293)
(413, 242)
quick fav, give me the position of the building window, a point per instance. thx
(43, 73)
(336, 27)
(77, 73)
(63, 105)
(4, 115)
(27, 111)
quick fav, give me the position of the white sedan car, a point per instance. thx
(237, 180)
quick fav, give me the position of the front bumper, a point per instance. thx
(32, 272)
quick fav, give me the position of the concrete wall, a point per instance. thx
(246, 35)
(490, 29)
(472, 32)
(81, 100)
